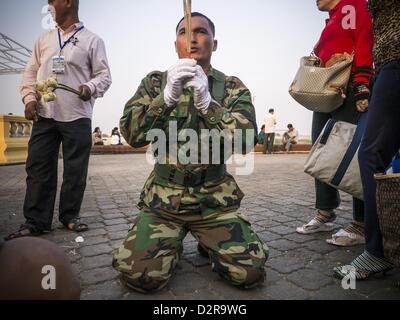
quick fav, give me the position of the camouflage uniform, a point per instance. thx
(208, 210)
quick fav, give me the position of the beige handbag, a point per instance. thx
(321, 89)
(333, 158)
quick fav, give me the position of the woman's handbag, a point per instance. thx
(321, 89)
(333, 158)
(388, 202)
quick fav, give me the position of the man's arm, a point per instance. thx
(101, 80)
(146, 110)
(28, 84)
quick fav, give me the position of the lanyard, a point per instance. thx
(62, 46)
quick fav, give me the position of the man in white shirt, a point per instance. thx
(270, 128)
(290, 137)
(78, 58)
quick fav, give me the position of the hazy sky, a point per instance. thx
(260, 41)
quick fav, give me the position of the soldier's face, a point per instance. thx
(203, 43)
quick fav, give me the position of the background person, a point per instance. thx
(97, 137)
(115, 137)
(381, 140)
(270, 128)
(290, 137)
(262, 135)
(78, 58)
(334, 42)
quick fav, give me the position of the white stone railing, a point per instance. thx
(15, 132)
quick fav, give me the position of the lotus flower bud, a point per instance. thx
(52, 82)
(41, 86)
(49, 97)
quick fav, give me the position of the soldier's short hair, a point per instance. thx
(271, 111)
(198, 14)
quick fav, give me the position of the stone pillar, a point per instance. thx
(14, 137)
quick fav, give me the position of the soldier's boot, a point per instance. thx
(203, 252)
(142, 286)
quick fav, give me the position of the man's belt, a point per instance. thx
(189, 178)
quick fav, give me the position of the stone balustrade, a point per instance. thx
(14, 137)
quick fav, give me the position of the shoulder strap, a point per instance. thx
(164, 80)
(218, 86)
(351, 151)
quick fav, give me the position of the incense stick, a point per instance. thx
(187, 6)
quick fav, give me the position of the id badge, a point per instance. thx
(58, 64)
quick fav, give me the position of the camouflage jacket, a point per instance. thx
(147, 110)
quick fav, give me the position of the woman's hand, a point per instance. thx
(336, 58)
(362, 105)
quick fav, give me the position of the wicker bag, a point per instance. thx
(321, 89)
(388, 202)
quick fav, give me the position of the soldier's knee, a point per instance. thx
(245, 277)
(145, 277)
(248, 277)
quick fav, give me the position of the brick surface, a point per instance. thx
(299, 267)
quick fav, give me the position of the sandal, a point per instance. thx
(318, 224)
(77, 226)
(364, 266)
(25, 230)
(347, 238)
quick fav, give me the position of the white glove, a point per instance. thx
(201, 96)
(185, 69)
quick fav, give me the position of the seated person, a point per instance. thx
(290, 137)
(115, 137)
(97, 137)
(261, 135)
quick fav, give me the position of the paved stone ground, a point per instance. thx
(279, 197)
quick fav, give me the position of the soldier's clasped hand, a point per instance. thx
(201, 94)
(177, 75)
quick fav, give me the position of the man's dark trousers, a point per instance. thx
(42, 168)
(269, 143)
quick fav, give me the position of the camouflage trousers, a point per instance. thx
(153, 247)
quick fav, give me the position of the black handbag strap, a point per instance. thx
(351, 151)
(327, 131)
